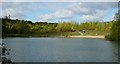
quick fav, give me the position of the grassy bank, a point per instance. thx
(57, 34)
(43, 34)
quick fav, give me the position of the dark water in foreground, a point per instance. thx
(61, 50)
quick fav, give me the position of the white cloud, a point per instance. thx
(58, 14)
(80, 8)
(46, 17)
(63, 14)
(98, 16)
(89, 17)
(88, 10)
(13, 12)
(17, 9)
(20, 9)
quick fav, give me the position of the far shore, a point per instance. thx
(87, 36)
(66, 36)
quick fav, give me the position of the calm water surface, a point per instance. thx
(61, 50)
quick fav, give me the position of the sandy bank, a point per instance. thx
(87, 36)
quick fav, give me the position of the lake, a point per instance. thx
(61, 50)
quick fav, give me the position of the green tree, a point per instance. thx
(66, 27)
(115, 30)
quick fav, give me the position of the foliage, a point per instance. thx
(115, 30)
(66, 26)
(96, 26)
(19, 28)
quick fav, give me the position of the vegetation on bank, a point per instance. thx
(24, 28)
(115, 30)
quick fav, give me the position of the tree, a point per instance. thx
(115, 30)
(66, 27)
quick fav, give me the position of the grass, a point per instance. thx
(94, 33)
(56, 34)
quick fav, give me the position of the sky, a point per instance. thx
(59, 11)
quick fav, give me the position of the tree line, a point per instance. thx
(115, 30)
(21, 28)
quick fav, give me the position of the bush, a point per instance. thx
(109, 37)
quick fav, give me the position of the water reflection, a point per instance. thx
(62, 50)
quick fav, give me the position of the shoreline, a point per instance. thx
(87, 36)
(74, 36)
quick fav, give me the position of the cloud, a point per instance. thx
(87, 10)
(20, 9)
(90, 11)
(58, 14)
(15, 13)
(11, 9)
(94, 17)
(17, 9)
(90, 17)
(80, 8)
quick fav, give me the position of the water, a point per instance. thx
(61, 50)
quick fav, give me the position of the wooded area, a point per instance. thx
(115, 30)
(24, 28)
